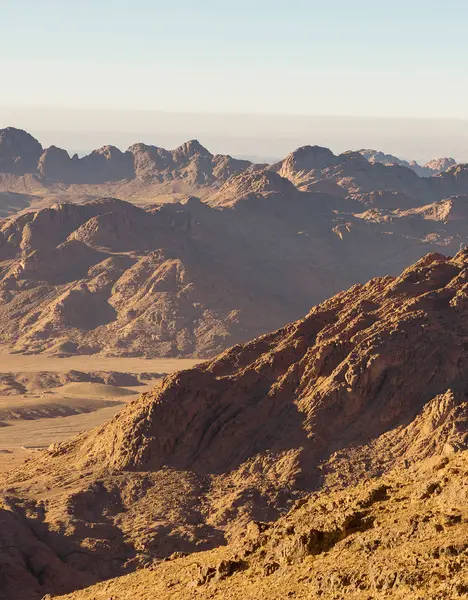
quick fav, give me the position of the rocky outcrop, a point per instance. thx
(454, 208)
(104, 165)
(49, 227)
(225, 166)
(253, 183)
(382, 199)
(374, 156)
(190, 164)
(452, 182)
(365, 171)
(55, 164)
(311, 167)
(305, 160)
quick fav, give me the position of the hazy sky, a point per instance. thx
(359, 58)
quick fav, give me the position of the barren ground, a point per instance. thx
(39, 417)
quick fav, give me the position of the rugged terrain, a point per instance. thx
(192, 278)
(29, 173)
(33, 175)
(403, 535)
(208, 251)
(367, 385)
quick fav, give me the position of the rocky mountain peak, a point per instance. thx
(55, 164)
(19, 151)
(191, 149)
(192, 170)
(433, 167)
(439, 165)
(355, 157)
(374, 156)
(306, 159)
(108, 152)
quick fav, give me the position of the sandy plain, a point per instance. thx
(39, 416)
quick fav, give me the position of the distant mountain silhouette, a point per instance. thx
(433, 167)
(148, 172)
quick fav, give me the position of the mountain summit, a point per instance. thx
(19, 151)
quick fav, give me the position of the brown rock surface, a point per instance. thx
(369, 171)
(253, 183)
(191, 164)
(103, 165)
(400, 536)
(453, 181)
(56, 164)
(372, 380)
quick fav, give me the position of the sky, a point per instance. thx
(376, 61)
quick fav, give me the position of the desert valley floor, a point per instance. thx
(35, 414)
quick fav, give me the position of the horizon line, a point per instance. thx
(229, 113)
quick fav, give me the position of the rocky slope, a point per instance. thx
(439, 165)
(192, 278)
(372, 380)
(403, 535)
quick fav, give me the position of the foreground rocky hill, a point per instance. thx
(371, 381)
(403, 535)
(192, 278)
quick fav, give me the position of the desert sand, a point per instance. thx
(36, 363)
(42, 415)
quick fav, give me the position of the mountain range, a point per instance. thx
(146, 173)
(322, 425)
(166, 273)
(433, 167)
